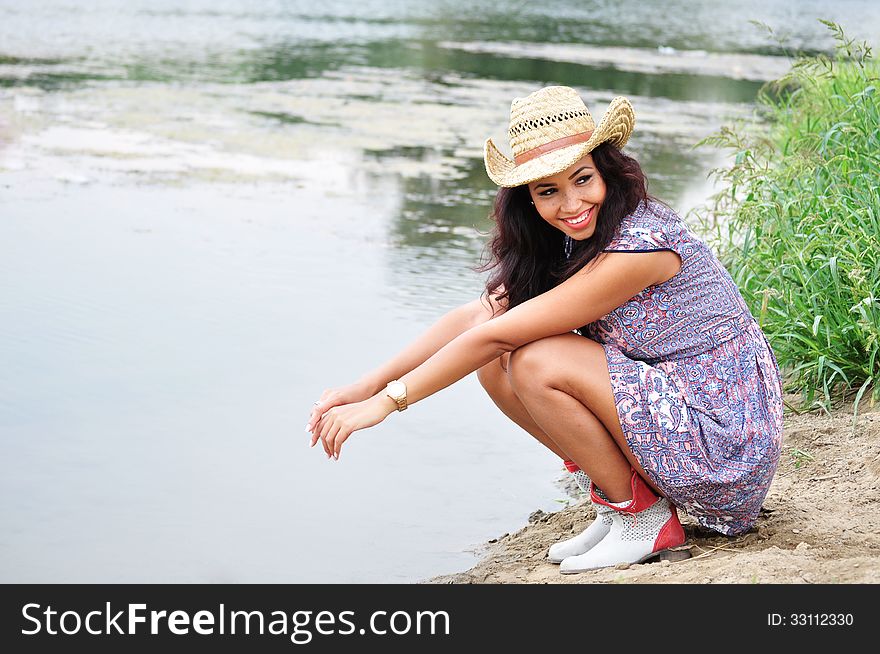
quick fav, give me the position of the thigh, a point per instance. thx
(577, 366)
(572, 364)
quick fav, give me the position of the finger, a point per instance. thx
(326, 447)
(309, 422)
(328, 440)
(315, 428)
(314, 414)
(323, 438)
(321, 407)
(331, 439)
(327, 424)
(340, 439)
(316, 431)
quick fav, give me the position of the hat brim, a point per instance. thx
(615, 127)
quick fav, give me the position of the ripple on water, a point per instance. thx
(164, 133)
(652, 61)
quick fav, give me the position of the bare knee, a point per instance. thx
(531, 364)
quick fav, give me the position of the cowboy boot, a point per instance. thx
(590, 536)
(642, 528)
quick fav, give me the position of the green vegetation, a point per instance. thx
(799, 457)
(798, 224)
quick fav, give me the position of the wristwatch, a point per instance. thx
(396, 390)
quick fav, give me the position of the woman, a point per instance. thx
(609, 333)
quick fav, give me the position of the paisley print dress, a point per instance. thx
(696, 383)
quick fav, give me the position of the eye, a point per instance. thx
(584, 179)
(549, 191)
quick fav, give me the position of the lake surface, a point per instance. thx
(211, 211)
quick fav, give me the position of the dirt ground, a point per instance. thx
(819, 523)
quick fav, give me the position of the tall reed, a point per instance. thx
(798, 222)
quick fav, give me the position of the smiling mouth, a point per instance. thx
(580, 220)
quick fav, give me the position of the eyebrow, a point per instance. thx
(572, 176)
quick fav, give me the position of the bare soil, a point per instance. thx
(819, 523)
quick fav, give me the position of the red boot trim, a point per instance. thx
(571, 466)
(594, 496)
(642, 496)
(671, 534)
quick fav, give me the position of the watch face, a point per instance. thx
(396, 389)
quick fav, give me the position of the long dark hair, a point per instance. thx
(526, 254)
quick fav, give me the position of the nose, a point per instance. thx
(570, 203)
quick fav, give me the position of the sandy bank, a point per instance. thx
(819, 523)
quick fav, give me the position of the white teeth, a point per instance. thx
(579, 220)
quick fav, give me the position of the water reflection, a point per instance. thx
(675, 86)
(291, 61)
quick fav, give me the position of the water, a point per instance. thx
(210, 211)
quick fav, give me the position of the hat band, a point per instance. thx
(565, 141)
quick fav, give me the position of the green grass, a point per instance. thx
(799, 457)
(798, 224)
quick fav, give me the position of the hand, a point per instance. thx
(340, 422)
(336, 396)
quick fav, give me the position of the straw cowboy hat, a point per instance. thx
(550, 130)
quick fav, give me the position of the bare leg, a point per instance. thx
(563, 384)
(493, 377)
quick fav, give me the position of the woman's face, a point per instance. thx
(570, 201)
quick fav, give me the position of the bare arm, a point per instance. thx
(583, 298)
(442, 332)
(446, 329)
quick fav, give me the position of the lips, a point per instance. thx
(582, 220)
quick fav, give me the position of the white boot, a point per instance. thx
(597, 530)
(585, 540)
(642, 528)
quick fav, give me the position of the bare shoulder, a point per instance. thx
(668, 264)
(636, 270)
